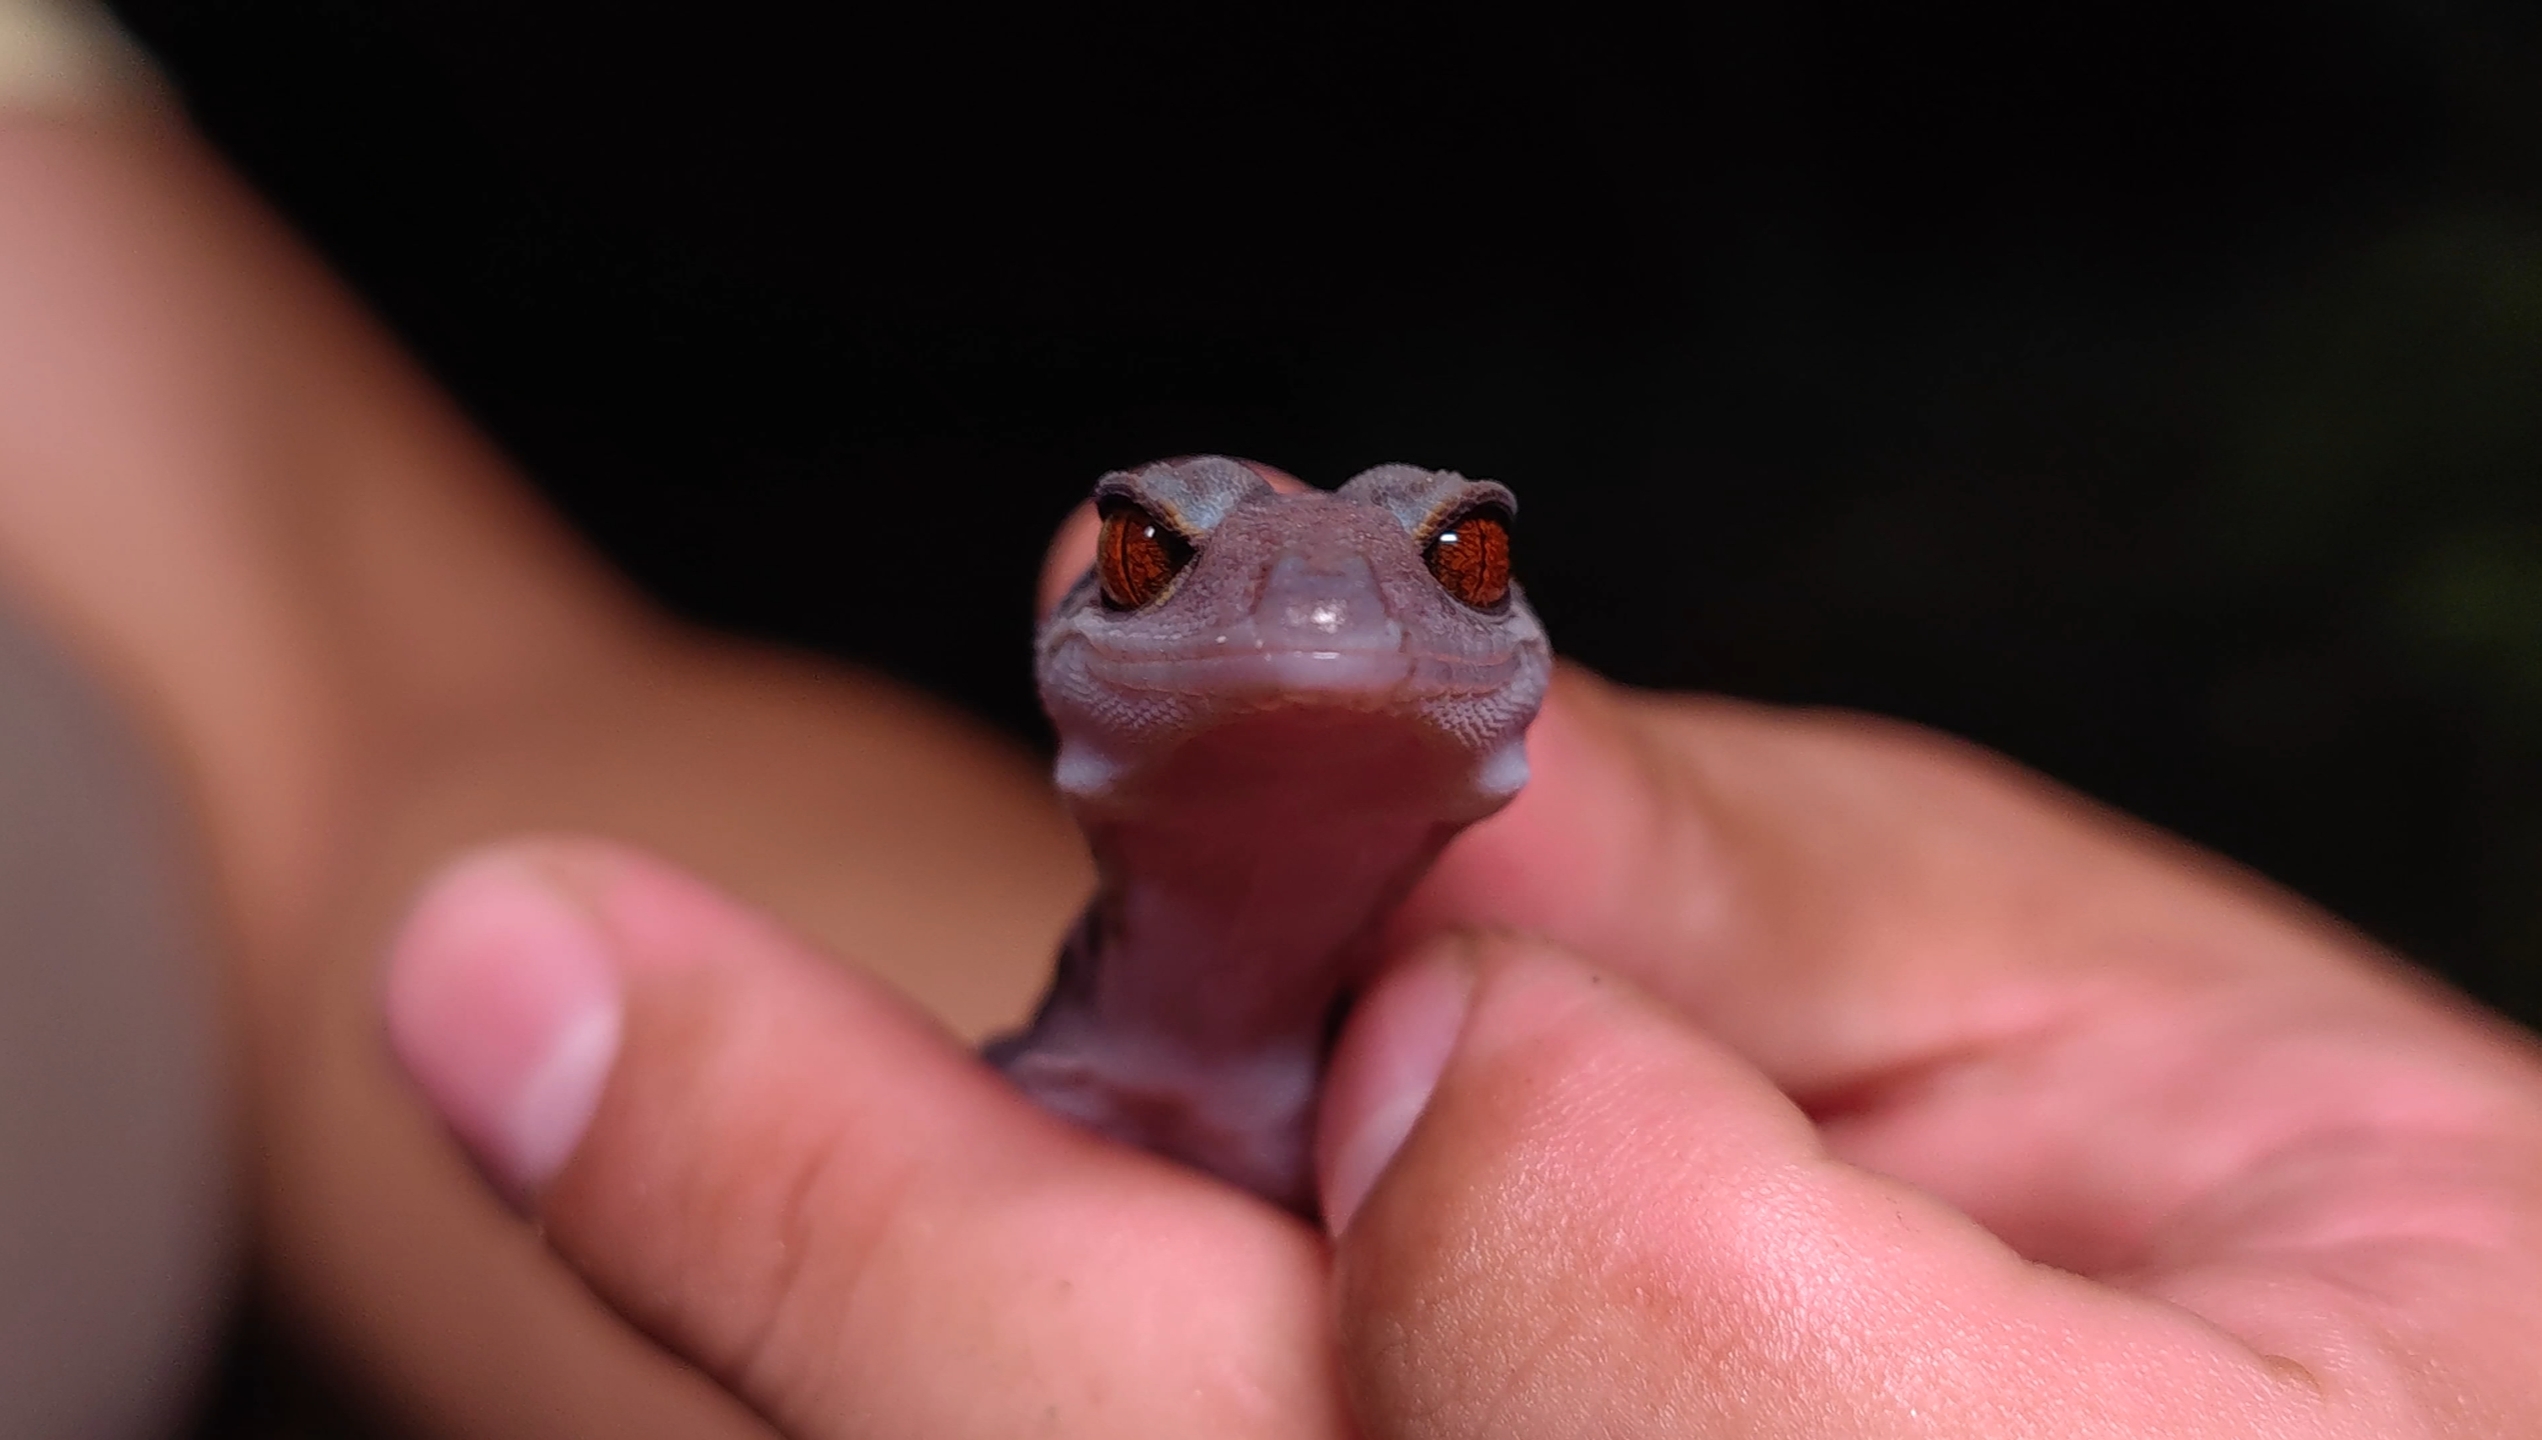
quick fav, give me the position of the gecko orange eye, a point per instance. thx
(1136, 557)
(1470, 558)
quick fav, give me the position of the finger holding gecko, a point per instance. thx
(1772, 1073)
(790, 1177)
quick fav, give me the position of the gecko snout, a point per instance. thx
(1324, 600)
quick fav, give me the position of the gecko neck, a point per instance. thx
(1245, 874)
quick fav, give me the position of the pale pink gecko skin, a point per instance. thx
(1264, 759)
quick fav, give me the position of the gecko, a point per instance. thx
(1274, 710)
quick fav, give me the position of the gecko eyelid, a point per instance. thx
(1137, 556)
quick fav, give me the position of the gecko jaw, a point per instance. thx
(1337, 676)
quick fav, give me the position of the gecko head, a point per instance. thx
(1215, 597)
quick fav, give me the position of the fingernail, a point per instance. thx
(1389, 1059)
(505, 1009)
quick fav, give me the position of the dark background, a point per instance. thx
(2150, 390)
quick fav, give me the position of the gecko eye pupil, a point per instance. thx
(1470, 559)
(1136, 557)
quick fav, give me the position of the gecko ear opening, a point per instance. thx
(1469, 557)
(1136, 556)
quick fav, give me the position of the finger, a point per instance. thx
(1071, 554)
(1072, 548)
(1603, 1223)
(784, 1174)
(1837, 894)
(2085, 1036)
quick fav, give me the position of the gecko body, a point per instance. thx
(1274, 710)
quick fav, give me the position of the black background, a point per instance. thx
(2151, 390)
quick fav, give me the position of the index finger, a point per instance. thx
(2077, 1030)
(1839, 895)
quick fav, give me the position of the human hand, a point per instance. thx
(1883, 1031)
(1910, 1096)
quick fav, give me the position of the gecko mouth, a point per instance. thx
(1337, 675)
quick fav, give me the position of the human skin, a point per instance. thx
(357, 644)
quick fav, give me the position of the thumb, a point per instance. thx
(786, 1175)
(1561, 1211)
